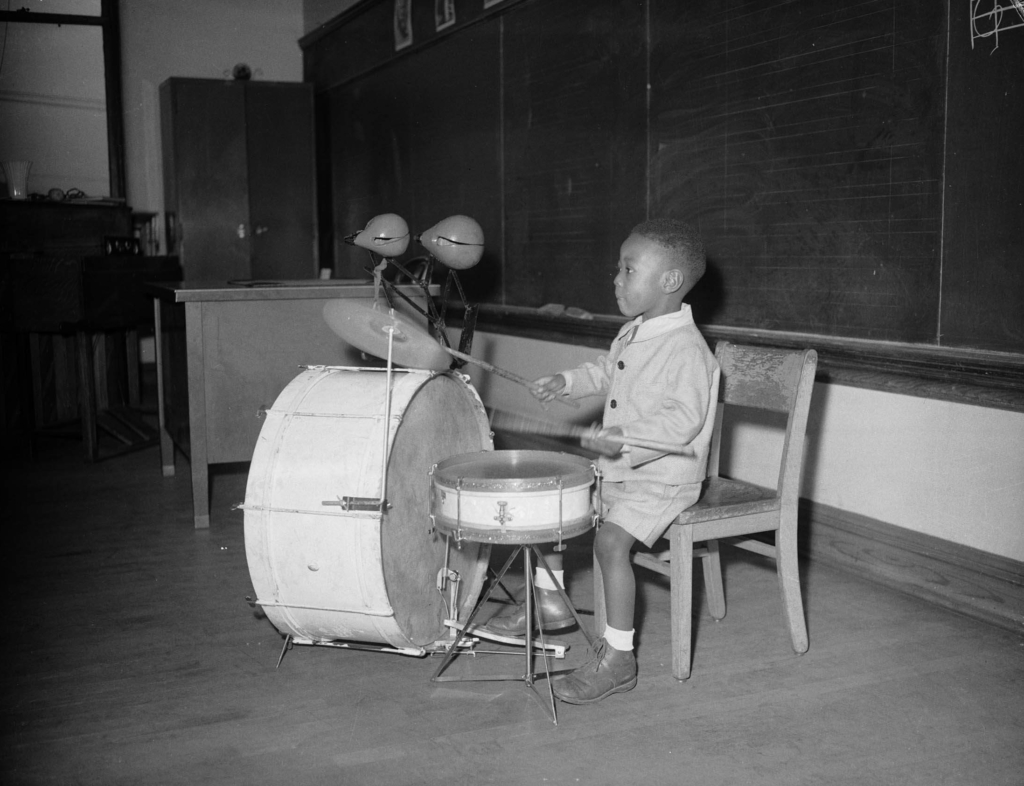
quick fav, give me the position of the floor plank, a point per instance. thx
(133, 658)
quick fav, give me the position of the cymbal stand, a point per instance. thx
(431, 313)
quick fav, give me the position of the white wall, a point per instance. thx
(159, 39)
(953, 471)
(53, 107)
(194, 38)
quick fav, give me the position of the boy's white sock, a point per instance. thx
(543, 581)
(618, 639)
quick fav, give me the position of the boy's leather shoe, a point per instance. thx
(608, 671)
(512, 620)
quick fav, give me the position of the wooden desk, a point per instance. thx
(237, 347)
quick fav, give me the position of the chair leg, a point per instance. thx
(87, 395)
(600, 609)
(789, 581)
(713, 588)
(681, 551)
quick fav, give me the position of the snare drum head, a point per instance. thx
(518, 470)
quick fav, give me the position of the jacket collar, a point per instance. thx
(643, 330)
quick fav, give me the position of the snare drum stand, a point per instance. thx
(529, 549)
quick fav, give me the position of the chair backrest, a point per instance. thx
(774, 380)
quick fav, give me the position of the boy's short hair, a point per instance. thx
(683, 240)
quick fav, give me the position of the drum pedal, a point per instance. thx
(555, 647)
(442, 646)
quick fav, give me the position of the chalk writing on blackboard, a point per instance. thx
(989, 18)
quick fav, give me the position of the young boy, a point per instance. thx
(659, 377)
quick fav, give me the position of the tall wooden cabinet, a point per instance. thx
(239, 176)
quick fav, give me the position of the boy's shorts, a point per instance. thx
(644, 509)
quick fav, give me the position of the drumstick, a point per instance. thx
(502, 373)
(510, 421)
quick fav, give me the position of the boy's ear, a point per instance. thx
(672, 280)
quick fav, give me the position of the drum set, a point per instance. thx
(375, 494)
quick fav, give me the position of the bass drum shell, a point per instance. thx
(325, 574)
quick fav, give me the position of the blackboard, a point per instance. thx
(853, 167)
(841, 165)
(420, 138)
(807, 139)
(983, 239)
(575, 149)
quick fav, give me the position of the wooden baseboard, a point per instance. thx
(967, 580)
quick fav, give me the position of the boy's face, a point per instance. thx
(640, 282)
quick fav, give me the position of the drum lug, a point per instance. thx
(430, 500)
(560, 546)
(347, 503)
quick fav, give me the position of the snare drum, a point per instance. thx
(327, 563)
(513, 496)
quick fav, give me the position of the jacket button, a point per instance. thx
(621, 365)
(612, 404)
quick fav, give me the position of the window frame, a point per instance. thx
(109, 21)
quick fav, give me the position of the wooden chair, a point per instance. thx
(764, 379)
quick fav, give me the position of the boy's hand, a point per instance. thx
(547, 388)
(603, 441)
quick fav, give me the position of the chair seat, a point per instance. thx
(723, 498)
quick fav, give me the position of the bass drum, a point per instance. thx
(325, 570)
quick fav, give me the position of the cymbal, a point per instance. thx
(365, 325)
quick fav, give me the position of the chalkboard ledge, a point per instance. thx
(970, 376)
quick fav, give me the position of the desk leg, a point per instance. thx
(87, 395)
(198, 455)
(166, 443)
(200, 491)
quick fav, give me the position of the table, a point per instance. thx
(82, 300)
(224, 352)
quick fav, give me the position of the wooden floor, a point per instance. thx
(133, 658)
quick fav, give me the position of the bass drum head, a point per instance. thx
(443, 419)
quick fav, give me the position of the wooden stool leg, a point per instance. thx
(713, 588)
(789, 581)
(681, 550)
